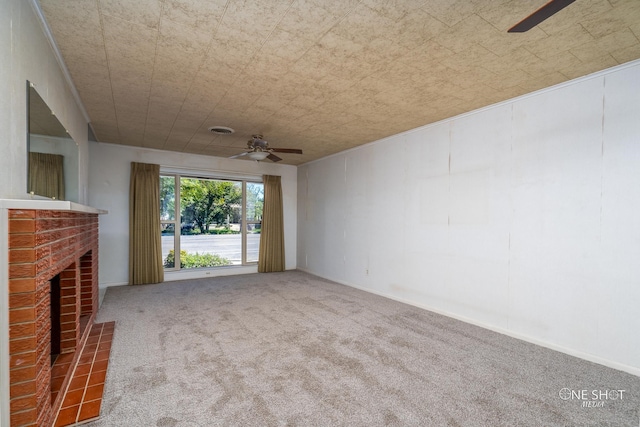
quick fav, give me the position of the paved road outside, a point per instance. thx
(228, 246)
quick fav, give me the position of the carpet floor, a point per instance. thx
(291, 349)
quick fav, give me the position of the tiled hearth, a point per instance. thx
(82, 398)
(53, 300)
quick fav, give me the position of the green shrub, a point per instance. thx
(189, 232)
(225, 230)
(195, 260)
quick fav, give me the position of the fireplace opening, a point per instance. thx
(56, 328)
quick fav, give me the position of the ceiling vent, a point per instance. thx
(221, 130)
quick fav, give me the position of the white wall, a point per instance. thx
(109, 190)
(523, 217)
(26, 55)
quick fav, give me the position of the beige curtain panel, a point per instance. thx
(271, 257)
(145, 247)
(46, 175)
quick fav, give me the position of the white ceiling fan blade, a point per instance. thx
(239, 155)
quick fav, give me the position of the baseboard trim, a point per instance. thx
(108, 285)
(572, 352)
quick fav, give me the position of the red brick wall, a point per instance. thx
(43, 244)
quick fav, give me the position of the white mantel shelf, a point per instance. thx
(52, 205)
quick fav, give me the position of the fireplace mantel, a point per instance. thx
(50, 205)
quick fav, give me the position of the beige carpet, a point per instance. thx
(286, 349)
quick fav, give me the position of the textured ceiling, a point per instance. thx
(320, 75)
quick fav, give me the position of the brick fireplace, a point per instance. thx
(51, 252)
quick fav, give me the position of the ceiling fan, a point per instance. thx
(546, 11)
(258, 149)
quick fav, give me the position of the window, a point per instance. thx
(209, 222)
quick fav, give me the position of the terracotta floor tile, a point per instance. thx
(93, 340)
(78, 382)
(88, 348)
(86, 358)
(97, 378)
(100, 365)
(67, 416)
(73, 398)
(83, 369)
(94, 392)
(90, 410)
(102, 355)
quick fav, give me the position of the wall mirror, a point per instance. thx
(52, 165)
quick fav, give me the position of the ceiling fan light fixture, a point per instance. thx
(221, 130)
(258, 155)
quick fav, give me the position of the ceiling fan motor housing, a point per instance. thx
(258, 143)
(258, 149)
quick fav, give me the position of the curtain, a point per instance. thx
(271, 256)
(145, 247)
(46, 175)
